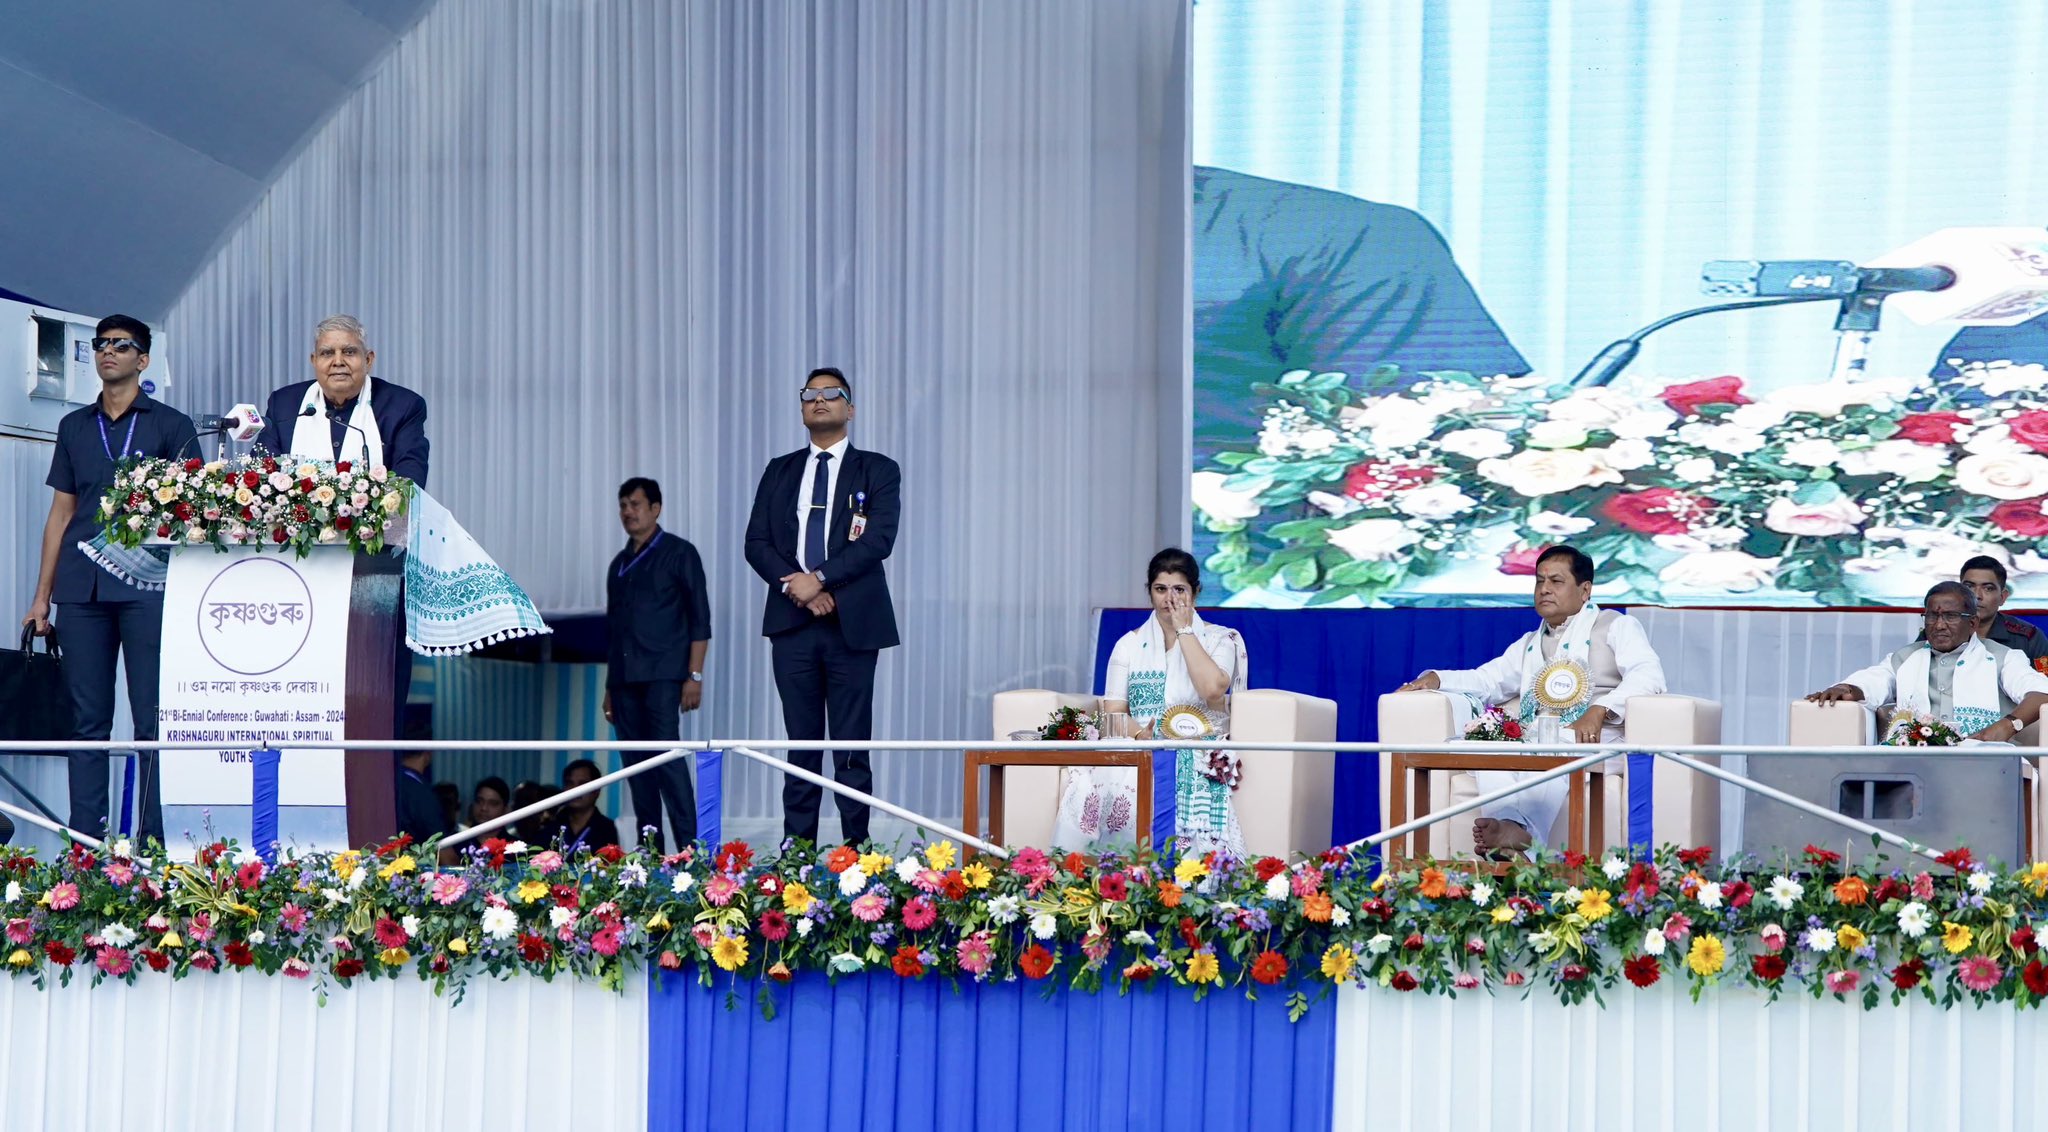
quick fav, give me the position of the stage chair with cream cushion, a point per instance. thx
(1283, 803)
(1686, 804)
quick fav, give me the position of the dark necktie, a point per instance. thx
(814, 530)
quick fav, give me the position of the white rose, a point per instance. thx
(1839, 516)
(1627, 455)
(1373, 540)
(1644, 424)
(1727, 439)
(1476, 443)
(1593, 408)
(1380, 944)
(1909, 460)
(1556, 434)
(1698, 469)
(244, 496)
(389, 503)
(323, 495)
(329, 534)
(1757, 418)
(1561, 526)
(359, 500)
(195, 534)
(1814, 453)
(306, 471)
(1728, 570)
(1212, 498)
(279, 481)
(1399, 423)
(2003, 476)
(1538, 472)
(1436, 501)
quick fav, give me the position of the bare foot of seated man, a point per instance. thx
(1500, 837)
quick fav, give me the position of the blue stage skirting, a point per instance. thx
(1351, 656)
(876, 1051)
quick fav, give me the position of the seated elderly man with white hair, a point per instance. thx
(1985, 689)
(1578, 644)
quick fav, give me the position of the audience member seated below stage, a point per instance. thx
(1985, 689)
(1609, 647)
(578, 826)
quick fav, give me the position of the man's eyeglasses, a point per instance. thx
(1944, 617)
(117, 345)
(828, 393)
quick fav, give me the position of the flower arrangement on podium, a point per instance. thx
(1911, 729)
(1359, 487)
(1949, 932)
(1495, 726)
(1070, 724)
(257, 501)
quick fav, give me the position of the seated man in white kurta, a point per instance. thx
(1985, 689)
(1616, 654)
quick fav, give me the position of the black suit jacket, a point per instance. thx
(852, 568)
(401, 422)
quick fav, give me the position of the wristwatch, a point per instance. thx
(697, 677)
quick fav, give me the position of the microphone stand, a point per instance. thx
(1608, 363)
(1855, 326)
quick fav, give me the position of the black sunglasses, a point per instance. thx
(118, 345)
(827, 393)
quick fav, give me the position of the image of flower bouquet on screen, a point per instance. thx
(1691, 493)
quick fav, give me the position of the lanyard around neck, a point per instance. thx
(106, 445)
(644, 552)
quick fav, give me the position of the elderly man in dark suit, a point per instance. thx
(824, 521)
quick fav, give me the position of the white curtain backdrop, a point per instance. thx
(609, 240)
(258, 1052)
(1585, 157)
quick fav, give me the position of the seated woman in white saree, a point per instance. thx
(1175, 657)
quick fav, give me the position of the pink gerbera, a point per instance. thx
(64, 897)
(919, 914)
(293, 917)
(1842, 982)
(871, 906)
(975, 953)
(1980, 972)
(545, 863)
(120, 872)
(19, 931)
(1676, 926)
(448, 888)
(930, 880)
(720, 889)
(114, 961)
(607, 939)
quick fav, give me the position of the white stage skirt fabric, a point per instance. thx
(1653, 1059)
(243, 1051)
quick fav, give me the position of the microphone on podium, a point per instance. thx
(242, 423)
(337, 418)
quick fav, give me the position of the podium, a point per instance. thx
(262, 649)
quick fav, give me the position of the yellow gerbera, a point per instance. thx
(1956, 937)
(530, 890)
(1707, 956)
(875, 864)
(403, 864)
(1850, 937)
(977, 875)
(730, 952)
(941, 855)
(1337, 962)
(1203, 968)
(1593, 904)
(345, 863)
(658, 922)
(2036, 878)
(1502, 913)
(796, 899)
(1190, 870)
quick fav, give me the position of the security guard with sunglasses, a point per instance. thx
(103, 617)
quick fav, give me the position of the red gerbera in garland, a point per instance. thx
(1643, 970)
(733, 857)
(533, 948)
(59, 953)
(157, 960)
(774, 926)
(1269, 867)
(1907, 975)
(496, 847)
(239, 954)
(1269, 968)
(1958, 859)
(1769, 968)
(1573, 859)
(1036, 962)
(1696, 856)
(1188, 932)
(1113, 887)
(1074, 863)
(907, 963)
(348, 968)
(395, 846)
(1821, 858)
(954, 886)
(2035, 975)
(611, 854)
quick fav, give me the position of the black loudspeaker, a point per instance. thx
(1939, 800)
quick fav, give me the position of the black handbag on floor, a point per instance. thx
(34, 703)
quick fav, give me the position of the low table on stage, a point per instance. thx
(995, 761)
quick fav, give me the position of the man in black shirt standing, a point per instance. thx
(658, 620)
(104, 617)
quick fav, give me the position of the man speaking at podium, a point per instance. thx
(345, 414)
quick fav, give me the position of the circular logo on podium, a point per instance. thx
(1563, 685)
(255, 615)
(1187, 721)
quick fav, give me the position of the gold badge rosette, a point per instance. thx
(1562, 685)
(1189, 721)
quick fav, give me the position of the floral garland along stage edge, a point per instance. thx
(1697, 489)
(1960, 931)
(253, 501)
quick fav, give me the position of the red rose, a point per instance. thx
(533, 948)
(611, 854)
(1036, 962)
(1375, 481)
(1889, 888)
(1686, 399)
(194, 464)
(300, 514)
(1113, 887)
(251, 480)
(1512, 728)
(212, 853)
(1573, 973)
(343, 466)
(1269, 867)
(2035, 975)
(1906, 975)
(1696, 856)
(59, 954)
(2030, 429)
(1930, 428)
(2021, 517)
(1414, 942)
(347, 968)
(1269, 968)
(1403, 981)
(1520, 563)
(239, 954)
(1769, 968)
(344, 522)
(163, 530)
(1642, 970)
(248, 513)
(440, 964)
(278, 535)
(908, 963)
(1657, 511)
(269, 465)
(306, 485)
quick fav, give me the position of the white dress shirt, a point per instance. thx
(1623, 665)
(808, 486)
(2016, 678)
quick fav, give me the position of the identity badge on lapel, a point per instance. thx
(859, 502)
